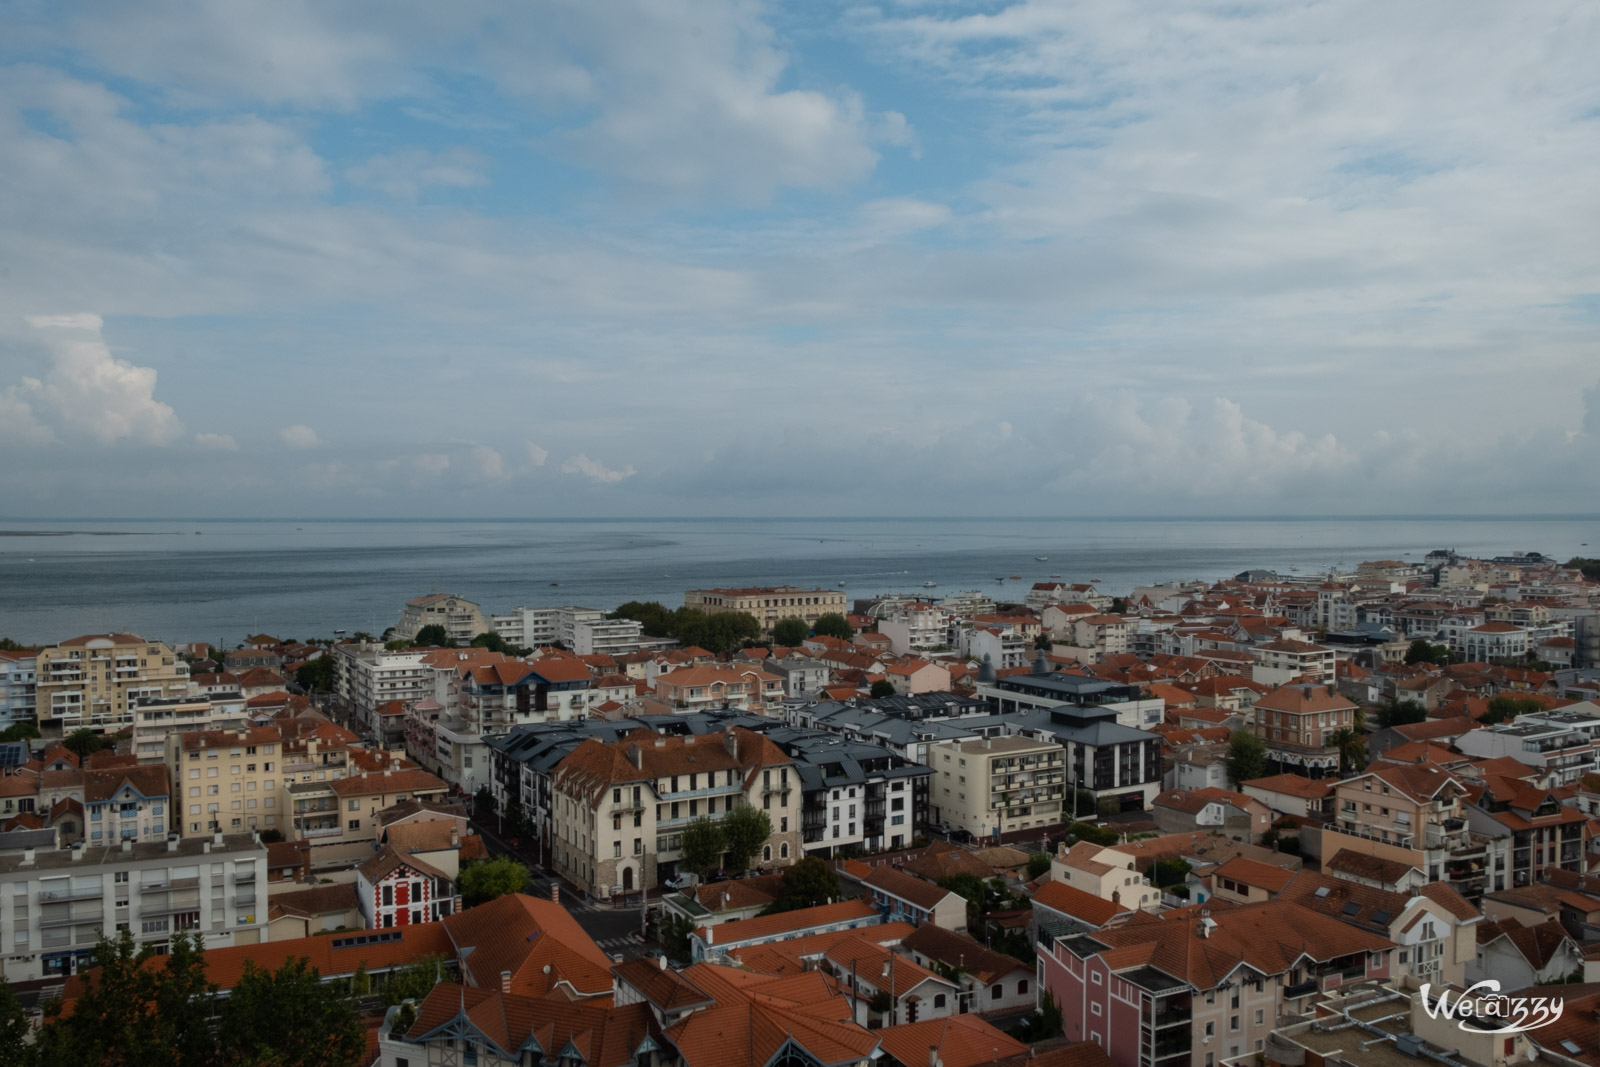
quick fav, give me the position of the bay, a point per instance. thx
(221, 580)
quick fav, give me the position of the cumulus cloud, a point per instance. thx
(594, 470)
(299, 436)
(537, 455)
(87, 390)
(216, 442)
(484, 464)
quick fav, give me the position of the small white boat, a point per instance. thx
(929, 585)
(1041, 559)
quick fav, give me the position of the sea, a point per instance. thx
(218, 581)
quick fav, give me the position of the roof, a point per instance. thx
(962, 1041)
(961, 950)
(538, 941)
(100, 786)
(661, 986)
(1296, 785)
(1304, 698)
(1069, 900)
(391, 859)
(603, 1035)
(764, 926)
(1255, 873)
(876, 965)
(756, 1015)
(402, 781)
(922, 894)
(1361, 865)
(318, 900)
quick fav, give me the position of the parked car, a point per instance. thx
(680, 881)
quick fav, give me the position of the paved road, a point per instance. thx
(616, 929)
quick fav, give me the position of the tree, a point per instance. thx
(83, 742)
(433, 636)
(1401, 713)
(1421, 650)
(1038, 864)
(703, 845)
(484, 880)
(287, 1017)
(881, 688)
(982, 897)
(1589, 567)
(1247, 757)
(15, 1049)
(790, 632)
(1049, 1017)
(133, 1013)
(805, 885)
(1505, 707)
(1043, 643)
(1119, 605)
(8, 645)
(720, 632)
(654, 618)
(316, 675)
(744, 831)
(1352, 750)
(483, 802)
(1164, 873)
(20, 731)
(415, 980)
(833, 625)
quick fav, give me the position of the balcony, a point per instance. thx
(319, 831)
(175, 883)
(47, 895)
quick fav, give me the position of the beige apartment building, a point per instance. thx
(768, 604)
(227, 781)
(95, 681)
(1284, 660)
(1298, 722)
(460, 617)
(701, 688)
(1106, 873)
(994, 785)
(620, 809)
(339, 817)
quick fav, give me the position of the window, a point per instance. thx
(1094, 1009)
(355, 824)
(1258, 1016)
(1022, 986)
(938, 1000)
(766, 854)
(1095, 977)
(1211, 1029)
(1233, 1023)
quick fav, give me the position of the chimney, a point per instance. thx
(77, 851)
(661, 742)
(933, 1056)
(689, 740)
(711, 935)
(455, 836)
(206, 848)
(127, 844)
(172, 842)
(216, 839)
(505, 981)
(27, 857)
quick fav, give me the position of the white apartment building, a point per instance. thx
(18, 682)
(584, 631)
(1285, 660)
(154, 721)
(55, 902)
(994, 785)
(368, 675)
(916, 627)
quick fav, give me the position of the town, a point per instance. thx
(1272, 819)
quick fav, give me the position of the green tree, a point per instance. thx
(1247, 757)
(790, 632)
(1421, 650)
(674, 937)
(1169, 872)
(1352, 748)
(833, 625)
(8, 645)
(1038, 864)
(1589, 567)
(484, 880)
(316, 675)
(745, 830)
(1044, 642)
(15, 1048)
(83, 742)
(654, 618)
(1506, 707)
(720, 632)
(1049, 1017)
(1401, 713)
(881, 688)
(415, 980)
(982, 897)
(483, 802)
(805, 885)
(703, 845)
(20, 731)
(433, 636)
(287, 1017)
(1119, 605)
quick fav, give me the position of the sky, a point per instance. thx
(658, 257)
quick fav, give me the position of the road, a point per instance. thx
(616, 929)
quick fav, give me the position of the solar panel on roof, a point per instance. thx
(1322, 891)
(13, 754)
(1380, 916)
(1351, 908)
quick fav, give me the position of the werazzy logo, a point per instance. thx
(1484, 1002)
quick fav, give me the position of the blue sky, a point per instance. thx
(724, 257)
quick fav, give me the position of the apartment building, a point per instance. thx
(1531, 826)
(96, 680)
(1298, 723)
(1200, 988)
(1105, 873)
(367, 675)
(916, 627)
(1563, 743)
(1495, 640)
(854, 795)
(156, 720)
(1415, 813)
(55, 902)
(584, 631)
(340, 817)
(704, 688)
(1286, 660)
(19, 700)
(620, 809)
(228, 781)
(768, 604)
(460, 617)
(994, 785)
(1091, 638)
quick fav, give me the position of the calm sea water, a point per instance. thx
(218, 581)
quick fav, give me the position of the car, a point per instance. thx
(680, 882)
(962, 836)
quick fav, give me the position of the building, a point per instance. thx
(989, 980)
(1106, 873)
(1211, 810)
(704, 688)
(368, 675)
(1494, 640)
(1200, 986)
(126, 804)
(227, 780)
(868, 971)
(853, 794)
(916, 628)
(157, 719)
(904, 898)
(620, 808)
(1298, 723)
(769, 604)
(339, 817)
(711, 942)
(994, 785)
(460, 617)
(55, 902)
(583, 631)
(1286, 660)
(95, 681)
(401, 888)
(19, 701)
(1530, 830)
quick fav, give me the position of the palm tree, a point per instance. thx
(1352, 748)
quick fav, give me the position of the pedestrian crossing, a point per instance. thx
(617, 944)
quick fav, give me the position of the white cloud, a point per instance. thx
(594, 470)
(17, 420)
(299, 436)
(406, 174)
(537, 455)
(216, 442)
(484, 464)
(90, 391)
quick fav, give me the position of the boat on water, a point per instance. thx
(929, 585)
(1016, 577)
(1055, 576)
(1041, 559)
